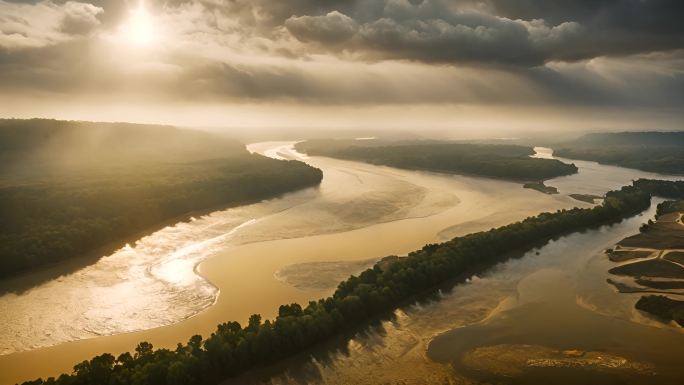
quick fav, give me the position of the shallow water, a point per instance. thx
(555, 296)
(154, 282)
(359, 213)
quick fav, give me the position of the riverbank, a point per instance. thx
(249, 260)
(56, 206)
(656, 265)
(234, 348)
(347, 205)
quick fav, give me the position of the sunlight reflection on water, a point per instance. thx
(154, 282)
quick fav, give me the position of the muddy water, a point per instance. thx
(552, 298)
(153, 291)
(258, 255)
(555, 297)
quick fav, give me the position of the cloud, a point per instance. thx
(522, 33)
(79, 18)
(45, 23)
(349, 53)
(459, 37)
(614, 27)
(331, 28)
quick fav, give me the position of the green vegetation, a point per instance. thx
(72, 188)
(664, 272)
(496, 161)
(233, 348)
(662, 307)
(669, 207)
(661, 188)
(667, 232)
(541, 187)
(661, 152)
(587, 198)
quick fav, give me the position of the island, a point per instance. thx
(587, 198)
(664, 308)
(518, 361)
(234, 348)
(502, 161)
(653, 260)
(661, 152)
(541, 187)
(82, 189)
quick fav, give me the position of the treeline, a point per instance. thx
(49, 222)
(233, 348)
(661, 152)
(497, 161)
(75, 188)
(669, 207)
(664, 189)
(661, 188)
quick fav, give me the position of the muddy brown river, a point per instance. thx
(187, 278)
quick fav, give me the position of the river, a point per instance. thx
(186, 278)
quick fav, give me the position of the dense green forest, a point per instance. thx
(661, 188)
(661, 152)
(491, 160)
(71, 188)
(233, 348)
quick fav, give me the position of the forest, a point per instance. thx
(511, 162)
(661, 152)
(69, 189)
(234, 348)
(661, 188)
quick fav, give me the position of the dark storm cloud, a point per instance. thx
(470, 38)
(504, 32)
(618, 27)
(377, 52)
(527, 32)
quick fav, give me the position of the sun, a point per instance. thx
(139, 29)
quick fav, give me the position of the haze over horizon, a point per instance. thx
(471, 65)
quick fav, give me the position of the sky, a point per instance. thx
(468, 65)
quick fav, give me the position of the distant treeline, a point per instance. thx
(511, 162)
(661, 188)
(661, 152)
(126, 180)
(233, 348)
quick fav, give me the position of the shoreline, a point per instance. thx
(258, 260)
(57, 269)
